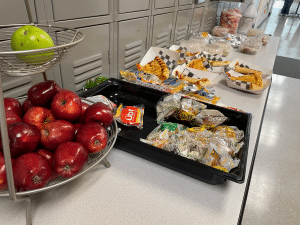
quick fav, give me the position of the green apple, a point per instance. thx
(31, 37)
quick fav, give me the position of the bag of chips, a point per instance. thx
(130, 115)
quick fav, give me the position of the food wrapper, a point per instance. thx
(104, 100)
(218, 155)
(190, 148)
(175, 84)
(164, 136)
(149, 78)
(209, 117)
(230, 18)
(130, 115)
(202, 94)
(189, 109)
(167, 105)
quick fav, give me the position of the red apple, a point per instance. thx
(93, 136)
(26, 105)
(14, 105)
(77, 126)
(84, 107)
(31, 171)
(41, 94)
(49, 156)
(56, 133)
(3, 180)
(12, 117)
(69, 158)
(99, 112)
(38, 116)
(23, 138)
(66, 105)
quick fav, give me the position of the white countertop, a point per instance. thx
(136, 191)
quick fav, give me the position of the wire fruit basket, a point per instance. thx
(93, 160)
(30, 62)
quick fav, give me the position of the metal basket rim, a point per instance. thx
(43, 49)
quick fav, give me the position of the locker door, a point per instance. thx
(162, 28)
(88, 60)
(181, 27)
(14, 12)
(164, 4)
(133, 5)
(196, 20)
(18, 86)
(132, 42)
(211, 18)
(185, 2)
(75, 9)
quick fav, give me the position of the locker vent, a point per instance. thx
(196, 26)
(133, 54)
(162, 40)
(181, 34)
(87, 68)
(16, 87)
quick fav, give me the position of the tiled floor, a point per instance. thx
(274, 190)
(285, 27)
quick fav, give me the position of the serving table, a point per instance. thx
(137, 191)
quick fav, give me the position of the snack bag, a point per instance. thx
(209, 117)
(167, 105)
(231, 19)
(130, 115)
(217, 155)
(164, 135)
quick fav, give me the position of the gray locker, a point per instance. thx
(159, 4)
(161, 30)
(211, 18)
(89, 59)
(18, 86)
(196, 19)
(182, 26)
(185, 2)
(132, 42)
(14, 12)
(126, 6)
(75, 9)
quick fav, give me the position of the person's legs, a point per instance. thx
(289, 4)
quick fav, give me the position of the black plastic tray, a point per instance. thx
(128, 139)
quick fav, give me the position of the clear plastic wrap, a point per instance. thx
(251, 45)
(209, 117)
(167, 106)
(265, 38)
(231, 19)
(213, 49)
(220, 31)
(255, 32)
(225, 45)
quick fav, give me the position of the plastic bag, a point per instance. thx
(231, 19)
(130, 115)
(167, 105)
